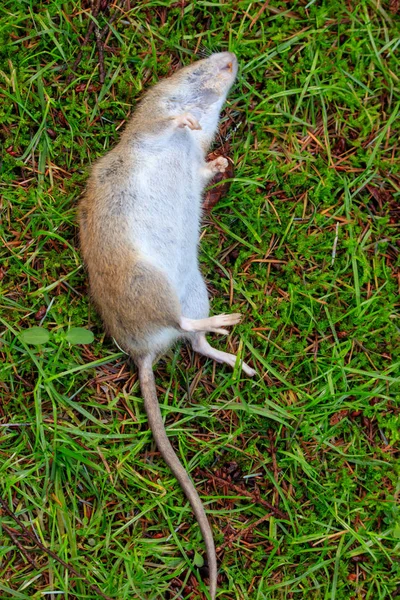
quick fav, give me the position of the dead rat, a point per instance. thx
(139, 232)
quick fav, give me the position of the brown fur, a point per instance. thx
(133, 298)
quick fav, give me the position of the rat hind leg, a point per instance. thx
(200, 345)
(214, 324)
(195, 307)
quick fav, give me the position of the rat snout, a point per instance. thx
(226, 61)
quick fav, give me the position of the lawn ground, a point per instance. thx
(298, 468)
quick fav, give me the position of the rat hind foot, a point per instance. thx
(200, 345)
(213, 324)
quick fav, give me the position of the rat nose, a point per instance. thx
(232, 59)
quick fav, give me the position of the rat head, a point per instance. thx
(201, 86)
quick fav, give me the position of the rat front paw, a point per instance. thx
(187, 120)
(219, 165)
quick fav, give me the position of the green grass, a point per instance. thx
(299, 467)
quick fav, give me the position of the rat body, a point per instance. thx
(139, 232)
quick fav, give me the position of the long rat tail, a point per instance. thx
(148, 388)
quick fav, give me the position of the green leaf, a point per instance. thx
(396, 531)
(35, 336)
(77, 456)
(198, 560)
(79, 335)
